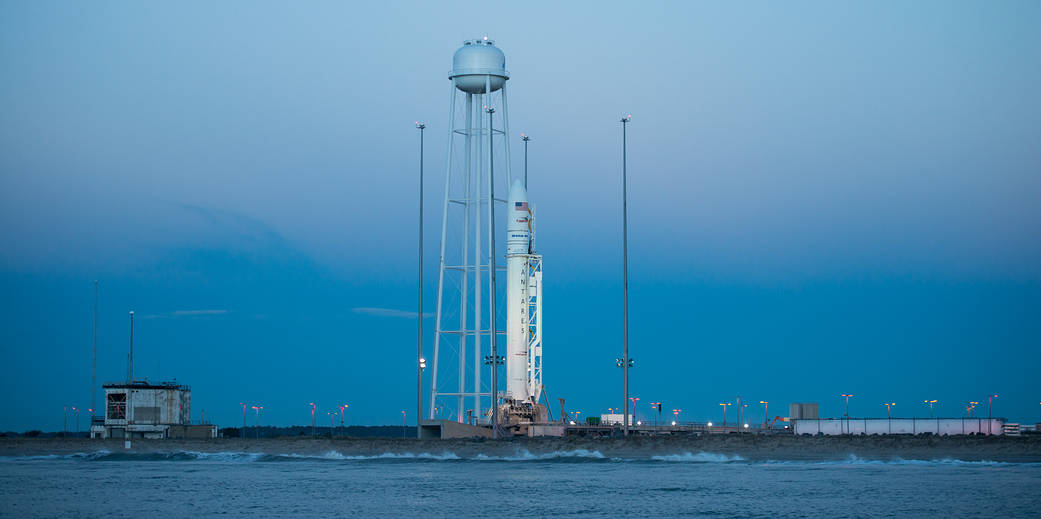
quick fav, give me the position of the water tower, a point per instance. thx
(477, 174)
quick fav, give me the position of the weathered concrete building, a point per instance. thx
(141, 409)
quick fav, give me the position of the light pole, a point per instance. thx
(342, 430)
(65, 423)
(766, 414)
(990, 403)
(621, 363)
(493, 335)
(419, 315)
(313, 408)
(332, 416)
(889, 415)
(634, 400)
(257, 409)
(847, 403)
(77, 411)
(419, 405)
(972, 405)
(404, 423)
(131, 367)
(930, 402)
(847, 410)
(525, 138)
(737, 400)
(739, 420)
(495, 361)
(94, 360)
(724, 404)
(676, 415)
(625, 271)
(654, 411)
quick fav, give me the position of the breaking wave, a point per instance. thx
(701, 457)
(332, 455)
(853, 459)
(337, 456)
(520, 455)
(525, 455)
(74, 456)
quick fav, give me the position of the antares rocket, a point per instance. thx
(523, 301)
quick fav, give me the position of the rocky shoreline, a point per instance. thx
(748, 447)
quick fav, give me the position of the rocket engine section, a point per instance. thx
(523, 311)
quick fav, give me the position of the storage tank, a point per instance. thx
(478, 66)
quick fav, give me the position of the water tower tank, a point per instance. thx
(474, 62)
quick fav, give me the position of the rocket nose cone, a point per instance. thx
(517, 191)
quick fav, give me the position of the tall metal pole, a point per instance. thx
(625, 273)
(889, 415)
(131, 381)
(94, 361)
(420, 364)
(990, 403)
(491, 267)
(525, 138)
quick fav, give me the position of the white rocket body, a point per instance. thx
(521, 381)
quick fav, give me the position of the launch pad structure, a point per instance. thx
(467, 338)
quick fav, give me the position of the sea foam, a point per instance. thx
(700, 457)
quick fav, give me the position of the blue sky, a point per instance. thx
(824, 198)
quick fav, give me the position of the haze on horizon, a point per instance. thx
(824, 198)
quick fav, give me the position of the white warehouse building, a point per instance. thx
(938, 426)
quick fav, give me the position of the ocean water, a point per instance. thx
(559, 484)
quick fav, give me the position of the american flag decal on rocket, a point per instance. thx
(521, 206)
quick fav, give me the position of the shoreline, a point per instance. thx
(747, 447)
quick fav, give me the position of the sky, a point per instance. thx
(824, 198)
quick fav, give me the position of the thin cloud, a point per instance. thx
(184, 313)
(387, 312)
(179, 313)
